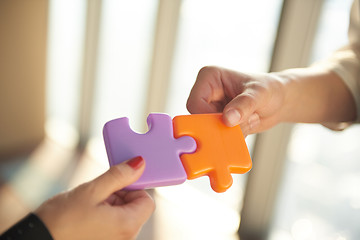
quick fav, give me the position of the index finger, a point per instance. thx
(140, 204)
(207, 95)
(116, 178)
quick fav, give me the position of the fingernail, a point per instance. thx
(254, 121)
(233, 117)
(136, 162)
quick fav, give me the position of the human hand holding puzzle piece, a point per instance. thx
(189, 146)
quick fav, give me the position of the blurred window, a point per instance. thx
(65, 54)
(233, 34)
(320, 197)
(126, 41)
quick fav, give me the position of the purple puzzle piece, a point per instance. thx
(160, 150)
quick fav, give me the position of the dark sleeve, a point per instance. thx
(30, 227)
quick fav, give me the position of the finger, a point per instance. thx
(122, 197)
(257, 124)
(251, 125)
(239, 109)
(265, 124)
(116, 178)
(249, 101)
(138, 204)
(114, 200)
(207, 95)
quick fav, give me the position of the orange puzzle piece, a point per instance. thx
(221, 150)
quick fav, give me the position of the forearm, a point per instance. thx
(315, 96)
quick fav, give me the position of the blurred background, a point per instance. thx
(69, 66)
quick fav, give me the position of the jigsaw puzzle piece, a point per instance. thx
(160, 150)
(221, 150)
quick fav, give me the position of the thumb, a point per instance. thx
(239, 109)
(118, 177)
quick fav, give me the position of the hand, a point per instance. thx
(253, 101)
(97, 209)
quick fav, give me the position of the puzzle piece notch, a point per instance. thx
(221, 150)
(160, 150)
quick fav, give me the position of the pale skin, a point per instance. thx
(97, 209)
(258, 102)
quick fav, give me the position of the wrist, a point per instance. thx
(314, 95)
(286, 83)
(45, 213)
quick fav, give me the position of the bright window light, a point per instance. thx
(234, 34)
(319, 196)
(65, 54)
(126, 41)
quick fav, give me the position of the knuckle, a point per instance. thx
(257, 87)
(189, 105)
(208, 70)
(249, 99)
